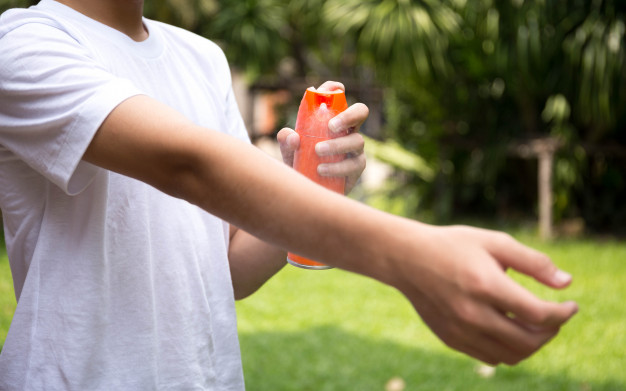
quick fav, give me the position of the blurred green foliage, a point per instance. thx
(6, 4)
(463, 80)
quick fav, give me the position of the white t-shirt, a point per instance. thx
(119, 286)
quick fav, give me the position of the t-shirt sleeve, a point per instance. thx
(236, 125)
(233, 116)
(53, 98)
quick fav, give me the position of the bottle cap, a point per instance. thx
(316, 109)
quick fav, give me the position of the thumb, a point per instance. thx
(511, 253)
(288, 141)
(331, 86)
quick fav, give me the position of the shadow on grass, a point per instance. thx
(330, 359)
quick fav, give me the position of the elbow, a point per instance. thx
(243, 292)
(180, 178)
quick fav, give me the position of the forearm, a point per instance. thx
(286, 210)
(252, 262)
(238, 183)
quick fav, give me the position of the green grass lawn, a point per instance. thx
(331, 330)
(7, 297)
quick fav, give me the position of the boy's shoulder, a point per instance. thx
(190, 45)
(15, 18)
(184, 37)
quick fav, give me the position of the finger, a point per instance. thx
(288, 141)
(351, 180)
(352, 167)
(507, 339)
(500, 339)
(353, 144)
(353, 164)
(523, 305)
(478, 346)
(330, 86)
(348, 121)
(521, 339)
(529, 261)
(463, 334)
(486, 349)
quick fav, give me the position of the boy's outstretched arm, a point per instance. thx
(454, 277)
(252, 261)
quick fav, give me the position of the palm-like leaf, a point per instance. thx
(405, 38)
(252, 32)
(597, 54)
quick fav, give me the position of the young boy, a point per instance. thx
(123, 159)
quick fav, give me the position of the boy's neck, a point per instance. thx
(122, 15)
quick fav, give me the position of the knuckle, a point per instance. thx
(350, 165)
(545, 267)
(503, 239)
(360, 141)
(362, 162)
(478, 285)
(353, 167)
(540, 318)
(465, 312)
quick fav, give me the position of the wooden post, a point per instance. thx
(543, 150)
(546, 159)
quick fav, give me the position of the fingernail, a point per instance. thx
(335, 125)
(322, 149)
(322, 169)
(292, 139)
(561, 277)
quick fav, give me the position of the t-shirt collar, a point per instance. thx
(150, 47)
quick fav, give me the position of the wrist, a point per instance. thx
(388, 243)
(409, 254)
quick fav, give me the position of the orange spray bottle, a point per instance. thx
(316, 109)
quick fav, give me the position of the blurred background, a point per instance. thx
(502, 113)
(508, 110)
